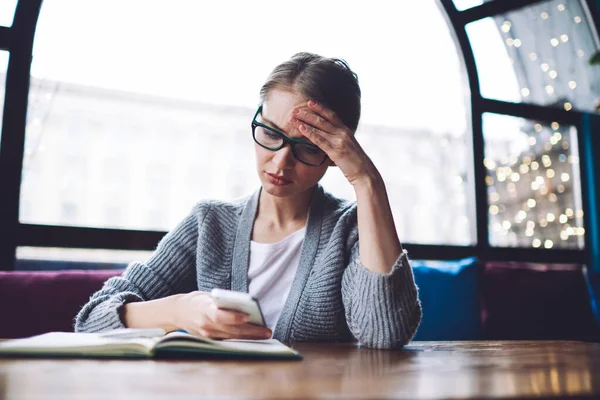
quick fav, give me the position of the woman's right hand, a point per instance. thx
(197, 313)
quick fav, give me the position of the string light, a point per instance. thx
(577, 19)
(544, 15)
(554, 42)
(561, 7)
(580, 53)
(517, 43)
(533, 56)
(568, 106)
(525, 92)
(530, 225)
(546, 160)
(549, 89)
(541, 218)
(553, 74)
(506, 26)
(564, 38)
(489, 164)
(534, 185)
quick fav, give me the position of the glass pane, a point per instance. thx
(3, 68)
(7, 12)
(139, 124)
(35, 258)
(534, 187)
(538, 54)
(466, 4)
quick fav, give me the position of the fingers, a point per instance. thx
(315, 135)
(313, 119)
(227, 317)
(234, 324)
(325, 113)
(247, 331)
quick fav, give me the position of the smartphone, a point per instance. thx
(239, 301)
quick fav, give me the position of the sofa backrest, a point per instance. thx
(32, 303)
(536, 301)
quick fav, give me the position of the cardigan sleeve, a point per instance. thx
(170, 270)
(382, 310)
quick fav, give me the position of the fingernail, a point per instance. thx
(302, 128)
(312, 103)
(294, 120)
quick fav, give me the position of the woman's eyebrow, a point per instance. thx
(274, 125)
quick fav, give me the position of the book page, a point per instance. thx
(78, 343)
(182, 340)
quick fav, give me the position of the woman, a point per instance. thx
(292, 245)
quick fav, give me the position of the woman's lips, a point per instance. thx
(276, 180)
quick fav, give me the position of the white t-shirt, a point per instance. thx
(271, 272)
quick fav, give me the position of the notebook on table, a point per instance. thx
(142, 343)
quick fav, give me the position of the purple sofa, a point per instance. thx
(496, 301)
(34, 302)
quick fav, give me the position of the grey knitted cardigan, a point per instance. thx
(333, 296)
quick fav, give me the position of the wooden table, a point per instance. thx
(423, 370)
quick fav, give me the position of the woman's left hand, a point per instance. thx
(323, 128)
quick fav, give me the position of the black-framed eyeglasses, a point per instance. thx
(272, 139)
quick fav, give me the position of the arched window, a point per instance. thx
(481, 120)
(165, 102)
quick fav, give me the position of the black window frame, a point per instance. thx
(18, 41)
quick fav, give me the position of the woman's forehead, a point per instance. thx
(277, 111)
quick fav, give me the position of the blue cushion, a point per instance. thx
(449, 295)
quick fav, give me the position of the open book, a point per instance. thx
(141, 343)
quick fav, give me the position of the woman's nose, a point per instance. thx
(284, 157)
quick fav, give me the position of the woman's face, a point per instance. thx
(280, 173)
